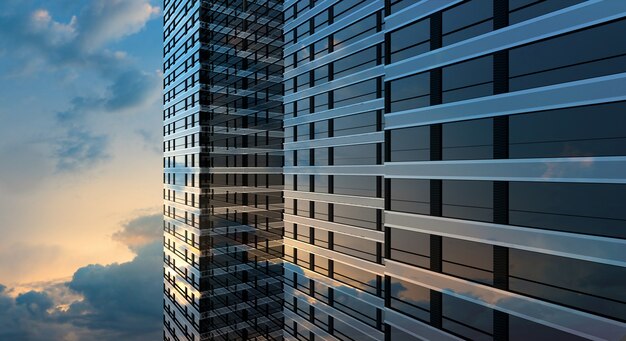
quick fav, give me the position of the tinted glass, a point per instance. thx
(468, 140)
(472, 200)
(410, 247)
(410, 195)
(470, 79)
(596, 130)
(595, 209)
(410, 92)
(574, 56)
(593, 287)
(410, 144)
(410, 299)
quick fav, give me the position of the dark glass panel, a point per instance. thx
(579, 55)
(469, 79)
(410, 247)
(469, 19)
(355, 93)
(469, 260)
(467, 319)
(410, 92)
(355, 308)
(357, 216)
(468, 140)
(596, 209)
(355, 124)
(355, 185)
(410, 195)
(524, 330)
(355, 32)
(410, 40)
(596, 130)
(410, 299)
(355, 246)
(410, 144)
(593, 287)
(364, 154)
(471, 200)
(353, 63)
(521, 10)
(398, 334)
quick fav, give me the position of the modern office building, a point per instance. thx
(452, 170)
(223, 161)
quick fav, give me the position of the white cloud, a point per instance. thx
(105, 21)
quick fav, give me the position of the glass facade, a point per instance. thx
(223, 160)
(395, 170)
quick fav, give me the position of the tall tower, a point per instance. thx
(453, 169)
(222, 178)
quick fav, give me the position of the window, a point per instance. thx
(320, 183)
(357, 278)
(355, 93)
(467, 319)
(355, 246)
(354, 63)
(363, 186)
(593, 287)
(469, 260)
(410, 247)
(469, 19)
(595, 130)
(410, 92)
(469, 79)
(410, 40)
(355, 32)
(357, 216)
(521, 10)
(579, 55)
(355, 124)
(410, 299)
(410, 195)
(410, 144)
(355, 308)
(364, 154)
(471, 200)
(595, 209)
(467, 140)
(523, 330)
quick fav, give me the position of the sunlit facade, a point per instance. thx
(455, 169)
(223, 162)
(452, 170)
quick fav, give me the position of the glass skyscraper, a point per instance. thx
(451, 169)
(223, 162)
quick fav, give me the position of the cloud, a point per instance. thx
(119, 301)
(130, 89)
(45, 42)
(104, 21)
(141, 231)
(80, 149)
(80, 49)
(123, 298)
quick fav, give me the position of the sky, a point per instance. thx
(80, 183)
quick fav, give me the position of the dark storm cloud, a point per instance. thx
(124, 298)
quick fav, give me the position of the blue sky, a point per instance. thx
(80, 188)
